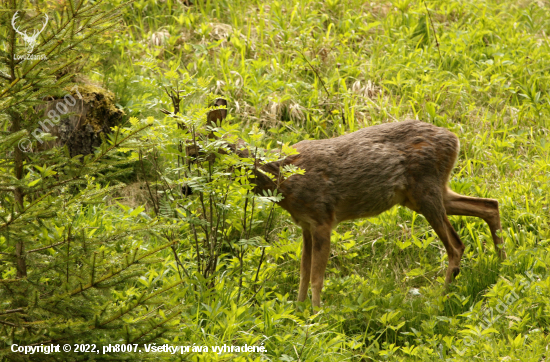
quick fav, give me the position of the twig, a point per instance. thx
(268, 225)
(305, 341)
(156, 207)
(240, 256)
(257, 291)
(8, 323)
(9, 311)
(316, 73)
(179, 263)
(157, 326)
(323, 84)
(435, 34)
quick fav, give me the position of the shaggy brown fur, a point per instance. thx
(367, 172)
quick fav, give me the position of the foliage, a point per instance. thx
(296, 70)
(72, 268)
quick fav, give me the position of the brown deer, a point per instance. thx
(364, 173)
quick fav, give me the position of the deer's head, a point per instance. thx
(29, 39)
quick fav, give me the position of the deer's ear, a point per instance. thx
(220, 102)
(218, 115)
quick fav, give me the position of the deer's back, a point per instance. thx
(368, 171)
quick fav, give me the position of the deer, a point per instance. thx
(365, 173)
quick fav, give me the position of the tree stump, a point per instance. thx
(79, 119)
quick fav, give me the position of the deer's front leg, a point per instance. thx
(305, 266)
(320, 254)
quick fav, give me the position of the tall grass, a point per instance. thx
(305, 69)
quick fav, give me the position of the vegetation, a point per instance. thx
(226, 261)
(68, 274)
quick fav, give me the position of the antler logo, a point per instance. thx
(29, 39)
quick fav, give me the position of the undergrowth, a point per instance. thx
(293, 70)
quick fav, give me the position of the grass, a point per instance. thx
(304, 69)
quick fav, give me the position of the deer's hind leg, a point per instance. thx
(305, 266)
(486, 209)
(430, 204)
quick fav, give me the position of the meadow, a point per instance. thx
(227, 262)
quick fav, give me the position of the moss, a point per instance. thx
(101, 107)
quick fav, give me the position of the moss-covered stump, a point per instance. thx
(84, 116)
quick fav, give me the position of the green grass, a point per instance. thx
(293, 68)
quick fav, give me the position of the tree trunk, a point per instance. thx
(21, 265)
